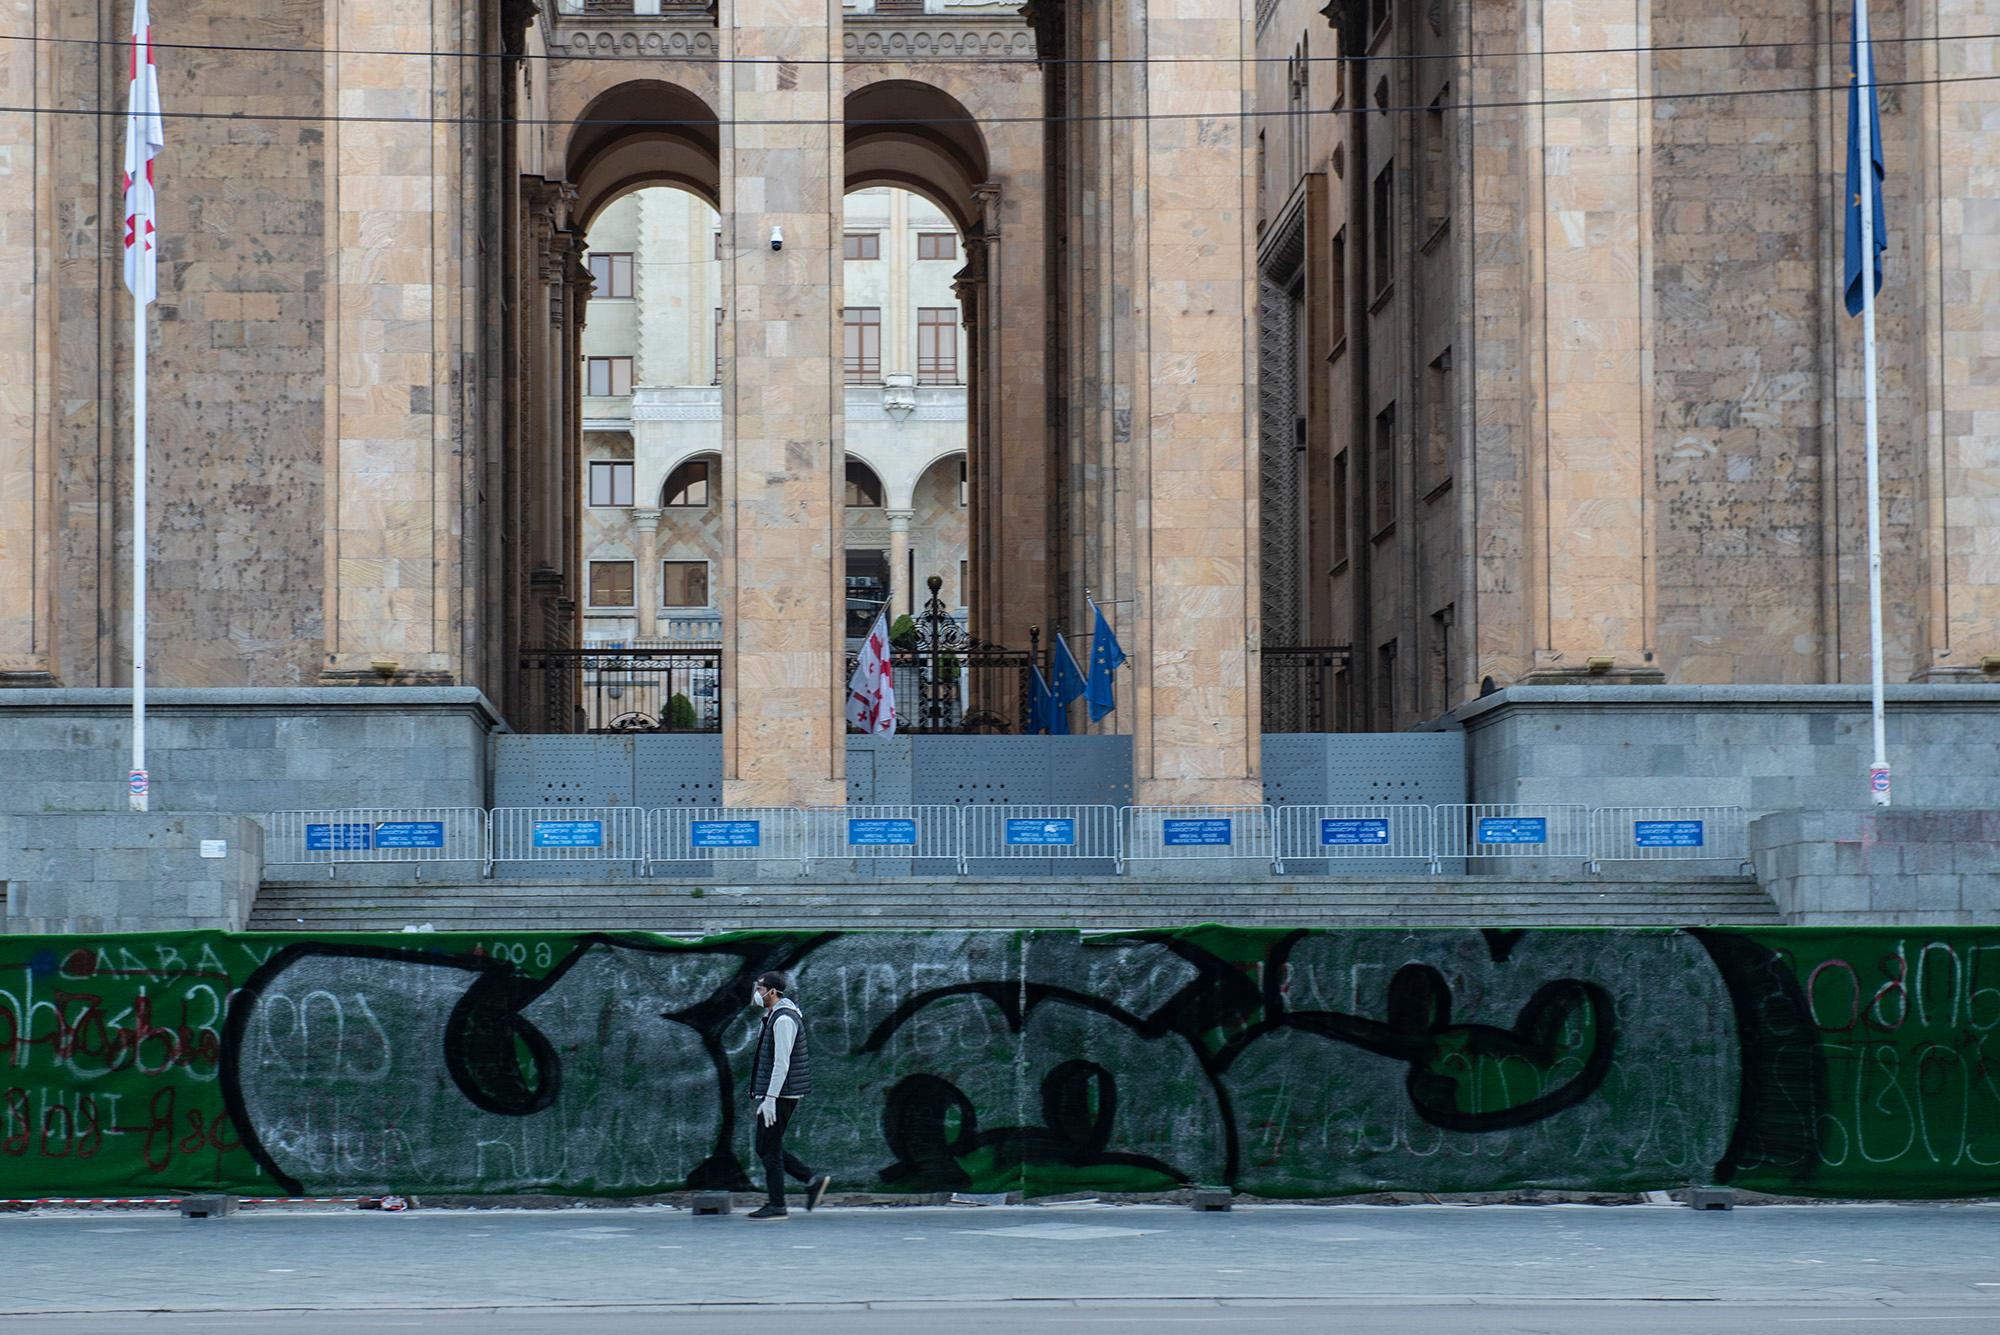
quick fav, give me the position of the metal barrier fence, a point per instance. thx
(1199, 833)
(727, 834)
(888, 833)
(1014, 835)
(1370, 832)
(567, 834)
(1510, 830)
(375, 834)
(1669, 834)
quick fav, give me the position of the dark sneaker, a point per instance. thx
(768, 1212)
(816, 1191)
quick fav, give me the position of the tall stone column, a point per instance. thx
(1589, 531)
(1188, 619)
(782, 168)
(901, 595)
(646, 588)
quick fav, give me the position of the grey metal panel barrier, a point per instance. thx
(1295, 768)
(1090, 771)
(1422, 767)
(878, 769)
(961, 771)
(532, 770)
(677, 770)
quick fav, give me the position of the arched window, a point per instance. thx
(687, 486)
(864, 489)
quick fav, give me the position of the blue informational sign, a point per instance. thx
(1208, 832)
(410, 834)
(338, 838)
(726, 833)
(1668, 833)
(882, 833)
(569, 834)
(1514, 830)
(1353, 832)
(1042, 833)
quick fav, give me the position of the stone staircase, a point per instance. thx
(1085, 903)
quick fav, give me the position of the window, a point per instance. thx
(611, 584)
(610, 483)
(1340, 63)
(1437, 684)
(1378, 14)
(964, 584)
(1437, 165)
(718, 245)
(937, 345)
(1385, 687)
(1382, 232)
(864, 490)
(607, 375)
(1263, 164)
(1383, 482)
(1336, 282)
(718, 347)
(937, 245)
(687, 487)
(867, 588)
(1437, 424)
(1340, 550)
(862, 343)
(861, 246)
(612, 275)
(962, 481)
(684, 584)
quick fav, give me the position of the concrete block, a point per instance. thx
(1212, 1199)
(1711, 1198)
(710, 1203)
(207, 1207)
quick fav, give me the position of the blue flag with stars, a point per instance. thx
(1851, 270)
(1044, 715)
(1069, 681)
(1105, 656)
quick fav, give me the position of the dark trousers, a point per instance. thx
(772, 1154)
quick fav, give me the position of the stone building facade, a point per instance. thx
(1491, 340)
(1551, 303)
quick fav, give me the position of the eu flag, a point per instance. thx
(1852, 269)
(1069, 682)
(1044, 714)
(1105, 656)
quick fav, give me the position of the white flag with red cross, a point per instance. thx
(144, 138)
(871, 694)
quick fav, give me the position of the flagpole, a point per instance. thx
(1864, 127)
(138, 784)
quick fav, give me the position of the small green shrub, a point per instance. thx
(680, 713)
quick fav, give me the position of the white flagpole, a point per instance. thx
(139, 783)
(1864, 72)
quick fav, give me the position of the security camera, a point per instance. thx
(777, 238)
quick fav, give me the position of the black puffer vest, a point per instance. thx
(798, 1077)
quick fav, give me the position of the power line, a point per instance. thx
(122, 42)
(1286, 113)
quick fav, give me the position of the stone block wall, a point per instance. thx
(247, 751)
(1895, 866)
(128, 871)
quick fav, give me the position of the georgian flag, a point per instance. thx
(871, 695)
(144, 138)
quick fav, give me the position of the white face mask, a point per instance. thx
(756, 995)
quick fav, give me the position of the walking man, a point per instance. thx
(781, 1075)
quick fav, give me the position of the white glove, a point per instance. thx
(767, 1110)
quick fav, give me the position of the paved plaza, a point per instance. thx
(1558, 1268)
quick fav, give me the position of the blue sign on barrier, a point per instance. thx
(410, 834)
(1668, 833)
(881, 833)
(338, 838)
(569, 834)
(1514, 830)
(1042, 833)
(726, 833)
(1352, 832)
(1209, 831)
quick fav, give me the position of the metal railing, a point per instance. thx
(566, 834)
(1669, 834)
(376, 835)
(1375, 832)
(925, 837)
(1301, 689)
(1510, 830)
(1199, 833)
(984, 839)
(1013, 836)
(617, 688)
(701, 835)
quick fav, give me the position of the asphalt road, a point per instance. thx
(1068, 1268)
